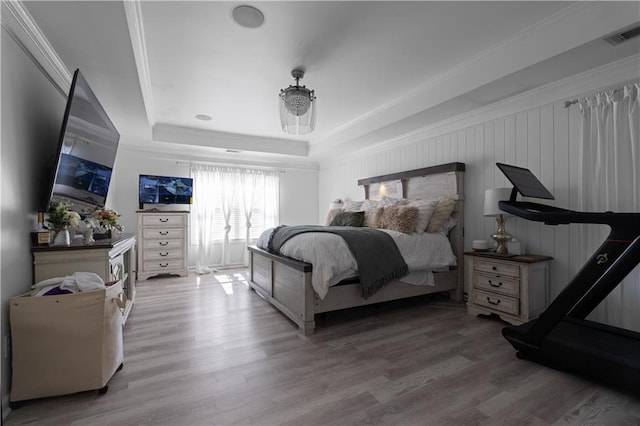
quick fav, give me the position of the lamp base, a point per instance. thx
(501, 236)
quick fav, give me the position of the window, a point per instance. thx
(218, 190)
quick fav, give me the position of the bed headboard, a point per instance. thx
(443, 179)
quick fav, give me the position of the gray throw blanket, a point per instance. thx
(377, 255)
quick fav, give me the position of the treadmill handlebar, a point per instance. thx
(557, 216)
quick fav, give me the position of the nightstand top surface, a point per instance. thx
(524, 258)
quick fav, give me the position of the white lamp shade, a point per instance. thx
(491, 199)
(333, 206)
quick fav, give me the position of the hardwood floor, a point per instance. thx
(204, 350)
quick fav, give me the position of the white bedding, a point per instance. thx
(332, 261)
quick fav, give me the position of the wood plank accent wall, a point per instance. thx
(543, 139)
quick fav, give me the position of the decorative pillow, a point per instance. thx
(399, 218)
(352, 206)
(348, 219)
(372, 218)
(448, 225)
(369, 204)
(425, 211)
(390, 201)
(332, 213)
(441, 213)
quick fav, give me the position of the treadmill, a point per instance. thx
(561, 337)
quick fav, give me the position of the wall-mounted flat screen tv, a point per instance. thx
(155, 189)
(86, 150)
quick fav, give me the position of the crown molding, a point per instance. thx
(17, 21)
(583, 84)
(213, 139)
(191, 154)
(133, 13)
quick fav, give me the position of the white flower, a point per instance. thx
(74, 218)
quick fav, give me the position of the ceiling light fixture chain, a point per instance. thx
(298, 106)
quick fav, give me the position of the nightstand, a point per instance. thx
(514, 288)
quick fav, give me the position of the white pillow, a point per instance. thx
(425, 211)
(448, 225)
(369, 204)
(352, 206)
(390, 201)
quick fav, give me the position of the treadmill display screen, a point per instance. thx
(525, 182)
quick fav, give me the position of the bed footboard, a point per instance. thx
(286, 284)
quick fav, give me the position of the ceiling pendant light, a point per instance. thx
(298, 107)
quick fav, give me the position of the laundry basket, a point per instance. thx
(65, 343)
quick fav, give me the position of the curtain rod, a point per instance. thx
(189, 163)
(567, 104)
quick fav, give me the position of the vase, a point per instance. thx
(60, 237)
(106, 235)
(87, 235)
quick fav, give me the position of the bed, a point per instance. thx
(286, 283)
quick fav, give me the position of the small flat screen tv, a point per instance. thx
(155, 190)
(86, 153)
(525, 182)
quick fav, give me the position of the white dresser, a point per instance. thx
(162, 240)
(112, 259)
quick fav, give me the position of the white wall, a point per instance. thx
(298, 190)
(543, 138)
(32, 110)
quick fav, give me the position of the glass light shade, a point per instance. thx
(298, 108)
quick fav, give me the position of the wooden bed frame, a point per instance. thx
(286, 282)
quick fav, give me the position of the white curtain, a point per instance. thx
(228, 188)
(203, 214)
(249, 183)
(610, 180)
(232, 207)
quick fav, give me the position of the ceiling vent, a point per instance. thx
(618, 38)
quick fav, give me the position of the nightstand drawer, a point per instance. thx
(496, 283)
(497, 302)
(497, 268)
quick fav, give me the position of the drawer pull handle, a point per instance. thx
(164, 243)
(494, 268)
(164, 219)
(163, 232)
(164, 254)
(495, 285)
(164, 265)
(492, 302)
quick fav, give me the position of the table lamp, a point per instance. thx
(491, 209)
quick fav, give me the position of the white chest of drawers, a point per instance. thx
(514, 288)
(163, 239)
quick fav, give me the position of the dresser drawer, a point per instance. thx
(497, 268)
(497, 283)
(496, 302)
(164, 233)
(162, 244)
(163, 265)
(163, 220)
(162, 254)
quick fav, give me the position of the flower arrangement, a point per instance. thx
(107, 219)
(61, 216)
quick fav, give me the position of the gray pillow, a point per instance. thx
(348, 219)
